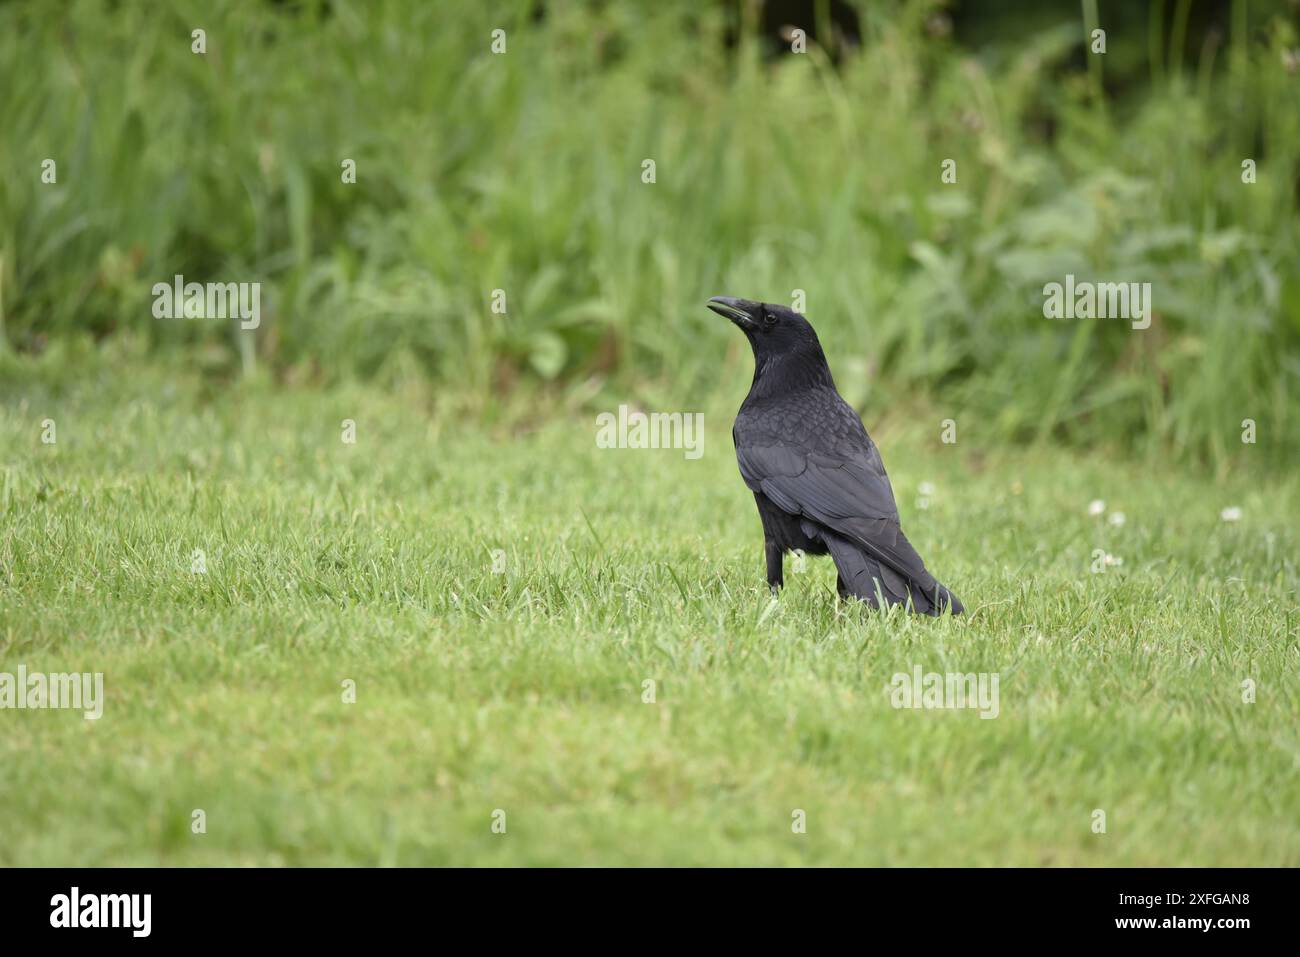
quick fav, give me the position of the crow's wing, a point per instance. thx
(832, 476)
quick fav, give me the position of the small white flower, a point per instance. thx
(1096, 507)
(1117, 518)
(922, 503)
(1113, 560)
(926, 489)
(1231, 514)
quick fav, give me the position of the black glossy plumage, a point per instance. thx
(816, 475)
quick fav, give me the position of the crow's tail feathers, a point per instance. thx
(873, 578)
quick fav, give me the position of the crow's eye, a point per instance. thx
(769, 318)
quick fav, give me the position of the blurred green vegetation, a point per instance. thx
(775, 172)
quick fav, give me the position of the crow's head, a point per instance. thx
(773, 330)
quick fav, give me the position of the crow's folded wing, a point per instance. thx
(845, 490)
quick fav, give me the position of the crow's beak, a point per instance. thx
(739, 311)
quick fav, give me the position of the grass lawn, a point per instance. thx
(520, 688)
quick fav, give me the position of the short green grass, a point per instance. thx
(523, 690)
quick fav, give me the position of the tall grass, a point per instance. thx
(522, 172)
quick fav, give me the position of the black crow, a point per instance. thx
(815, 473)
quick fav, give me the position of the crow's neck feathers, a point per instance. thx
(786, 372)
